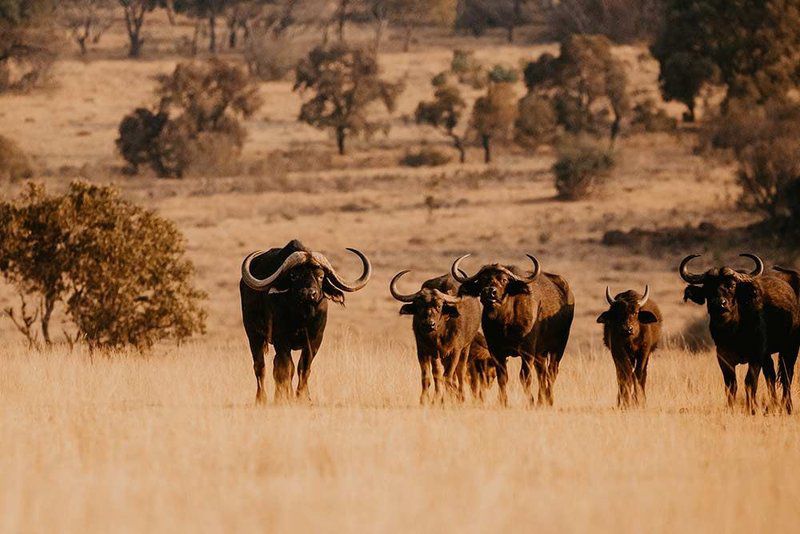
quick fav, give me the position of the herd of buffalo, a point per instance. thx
(466, 327)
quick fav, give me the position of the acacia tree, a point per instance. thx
(344, 82)
(749, 47)
(87, 20)
(444, 111)
(584, 83)
(135, 11)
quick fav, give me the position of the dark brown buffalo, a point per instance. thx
(285, 293)
(525, 314)
(752, 317)
(631, 331)
(445, 326)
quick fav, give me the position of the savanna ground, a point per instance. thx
(172, 441)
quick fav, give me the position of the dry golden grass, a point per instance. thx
(174, 443)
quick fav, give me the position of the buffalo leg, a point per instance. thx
(438, 380)
(425, 375)
(304, 372)
(257, 346)
(475, 379)
(526, 378)
(786, 364)
(543, 375)
(552, 371)
(729, 376)
(751, 385)
(282, 372)
(641, 380)
(502, 380)
(624, 379)
(461, 373)
(770, 378)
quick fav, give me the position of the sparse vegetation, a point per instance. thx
(623, 21)
(196, 128)
(582, 164)
(87, 20)
(118, 270)
(29, 43)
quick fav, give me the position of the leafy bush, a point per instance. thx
(769, 172)
(582, 164)
(425, 157)
(444, 111)
(14, 164)
(119, 270)
(624, 21)
(536, 122)
(743, 123)
(197, 128)
(503, 74)
(586, 83)
(467, 69)
(651, 118)
(271, 56)
(494, 115)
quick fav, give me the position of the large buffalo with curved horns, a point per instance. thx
(525, 314)
(285, 293)
(445, 327)
(752, 316)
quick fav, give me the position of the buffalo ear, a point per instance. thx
(408, 309)
(646, 317)
(451, 310)
(604, 317)
(516, 287)
(332, 292)
(469, 289)
(695, 294)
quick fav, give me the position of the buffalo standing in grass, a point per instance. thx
(285, 293)
(525, 314)
(752, 316)
(631, 331)
(445, 328)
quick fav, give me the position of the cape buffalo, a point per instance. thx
(526, 314)
(445, 325)
(631, 331)
(752, 317)
(285, 294)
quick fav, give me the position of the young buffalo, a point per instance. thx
(525, 314)
(752, 316)
(445, 327)
(631, 331)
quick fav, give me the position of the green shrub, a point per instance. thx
(468, 70)
(583, 163)
(118, 270)
(14, 164)
(425, 157)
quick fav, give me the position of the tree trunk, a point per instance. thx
(407, 40)
(82, 43)
(689, 116)
(342, 18)
(47, 312)
(212, 34)
(462, 154)
(169, 5)
(232, 37)
(486, 141)
(135, 46)
(340, 138)
(133, 23)
(510, 33)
